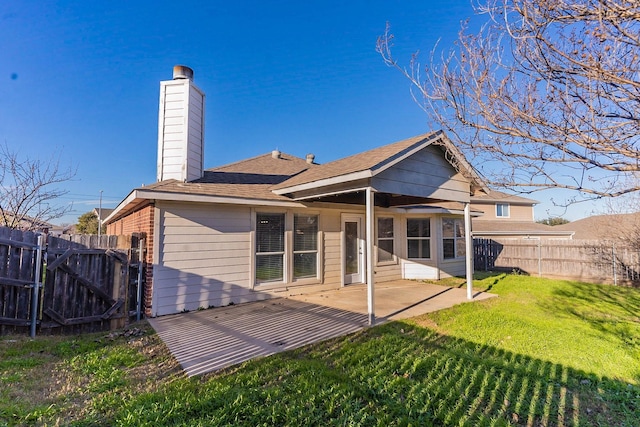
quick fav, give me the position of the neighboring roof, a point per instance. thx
(605, 227)
(102, 213)
(378, 159)
(500, 197)
(26, 222)
(517, 228)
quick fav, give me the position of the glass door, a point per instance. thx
(353, 250)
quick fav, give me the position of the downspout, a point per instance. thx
(370, 213)
(469, 251)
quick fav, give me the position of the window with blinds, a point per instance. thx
(305, 246)
(269, 247)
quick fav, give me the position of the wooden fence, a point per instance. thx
(585, 260)
(70, 284)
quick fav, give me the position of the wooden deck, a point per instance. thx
(209, 340)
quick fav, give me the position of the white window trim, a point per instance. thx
(455, 238)
(316, 251)
(394, 258)
(508, 210)
(288, 279)
(285, 261)
(430, 238)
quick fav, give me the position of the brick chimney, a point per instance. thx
(180, 127)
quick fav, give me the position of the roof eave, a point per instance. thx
(142, 194)
(340, 179)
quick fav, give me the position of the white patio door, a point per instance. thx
(353, 249)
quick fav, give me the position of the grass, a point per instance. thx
(550, 353)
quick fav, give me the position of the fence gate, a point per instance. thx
(86, 282)
(18, 252)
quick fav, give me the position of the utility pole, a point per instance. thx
(100, 216)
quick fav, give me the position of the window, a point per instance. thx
(502, 210)
(419, 238)
(453, 241)
(305, 246)
(385, 239)
(269, 247)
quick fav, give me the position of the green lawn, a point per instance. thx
(545, 353)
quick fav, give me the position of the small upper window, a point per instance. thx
(502, 210)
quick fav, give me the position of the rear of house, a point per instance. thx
(276, 224)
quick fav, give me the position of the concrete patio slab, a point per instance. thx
(395, 300)
(209, 340)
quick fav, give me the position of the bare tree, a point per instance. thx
(28, 190)
(545, 95)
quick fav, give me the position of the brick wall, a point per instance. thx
(139, 221)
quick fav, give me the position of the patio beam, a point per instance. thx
(469, 249)
(370, 217)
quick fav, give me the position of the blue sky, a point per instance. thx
(80, 79)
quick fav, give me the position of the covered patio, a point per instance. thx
(209, 340)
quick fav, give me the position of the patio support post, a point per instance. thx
(369, 253)
(469, 249)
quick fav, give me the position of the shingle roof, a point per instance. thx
(251, 178)
(604, 227)
(366, 160)
(259, 178)
(499, 196)
(521, 227)
(285, 164)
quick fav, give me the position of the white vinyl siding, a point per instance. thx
(332, 243)
(204, 257)
(181, 131)
(425, 174)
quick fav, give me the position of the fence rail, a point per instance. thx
(586, 260)
(71, 284)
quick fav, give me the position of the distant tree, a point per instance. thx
(545, 95)
(28, 189)
(88, 224)
(553, 221)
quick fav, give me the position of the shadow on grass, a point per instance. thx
(394, 374)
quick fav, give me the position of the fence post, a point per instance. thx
(539, 257)
(613, 257)
(486, 248)
(36, 288)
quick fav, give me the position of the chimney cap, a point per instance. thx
(182, 72)
(275, 154)
(310, 158)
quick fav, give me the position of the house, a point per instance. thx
(102, 213)
(277, 224)
(621, 227)
(24, 222)
(510, 216)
